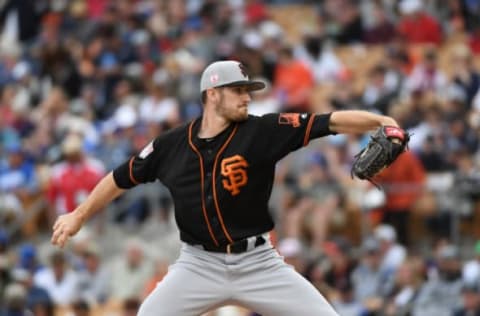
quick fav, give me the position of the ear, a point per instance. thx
(212, 94)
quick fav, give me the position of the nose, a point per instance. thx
(247, 96)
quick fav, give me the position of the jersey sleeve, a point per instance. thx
(141, 168)
(286, 132)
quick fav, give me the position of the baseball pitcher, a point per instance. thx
(219, 169)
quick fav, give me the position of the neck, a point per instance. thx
(212, 124)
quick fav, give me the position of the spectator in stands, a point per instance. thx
(440, 295)
(94, 278)
(427, 76)
(36, 297)
(27, 258)
(346, 20)
(315, 272)
(293, 82)
(398, 60)
(18, 174)
(370, 283)
(58, 66)
(338, 254)
(134, 269)
(52, 120)
(460, 140)
(14, 300)
(381, 89)
(345, 303)
(116, 144)
(73, 178)
(318, 57)
(5, 260)
(408, 280)
(472, 9)
(24, 17)
(452, 16)
(58, 279)
(474, 40)
(393, 254)
(18, 185)
(416, 25)
(471, 268)
(20, 110)
(432, 156)
(8, 133)
(470, 300)
(158, 108)
(382, 30)
(403, 183)
(318, 200)
(465, 76)
(348, 97)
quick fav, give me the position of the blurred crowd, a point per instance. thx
(85, 84)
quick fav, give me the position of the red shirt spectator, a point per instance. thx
(73, 179)
(474, 41)
(403, 183)
(96, 8)
(255, 11)
(416, 26)
(293, 82)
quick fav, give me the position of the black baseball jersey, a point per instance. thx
(221, 186)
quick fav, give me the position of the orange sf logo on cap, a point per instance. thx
(233, 168)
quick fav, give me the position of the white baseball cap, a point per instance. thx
(227, 73)
(410, 6)
(385, 232)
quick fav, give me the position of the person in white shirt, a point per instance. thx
(471, 268)
(393, 254)
(59, 280)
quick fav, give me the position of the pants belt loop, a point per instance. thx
(251, 242)
(229, 251)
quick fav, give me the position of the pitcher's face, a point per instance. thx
(232, 103)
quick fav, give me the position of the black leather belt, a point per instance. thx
(237, 247)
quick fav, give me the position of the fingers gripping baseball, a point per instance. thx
(65, 227)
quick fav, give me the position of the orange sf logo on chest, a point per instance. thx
(234, 169)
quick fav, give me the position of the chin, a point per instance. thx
(240, 118)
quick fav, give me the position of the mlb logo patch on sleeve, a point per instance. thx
(146, 151)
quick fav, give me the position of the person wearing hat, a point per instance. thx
(471, 268)
(369, 282)
(441, 294)
(73, 177)
(393, 253)
(18, 175)
(470, 300)
(220, 170)
(416, 26)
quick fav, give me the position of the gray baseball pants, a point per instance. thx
(259, 280)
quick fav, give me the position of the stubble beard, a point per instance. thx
(237, 114)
